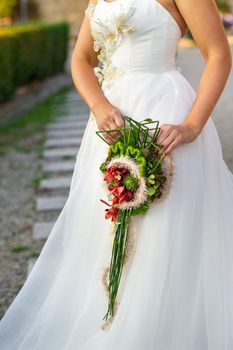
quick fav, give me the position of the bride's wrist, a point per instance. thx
(196, 129)
(98, 104)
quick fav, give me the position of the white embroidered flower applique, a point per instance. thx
(108, 34)
(90, 10)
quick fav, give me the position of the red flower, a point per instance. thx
(129, 196)
(123, 171)
(105, 202)
(114, 174)
(114, 177)
(111, 213)
(109, 177)
(117, 191)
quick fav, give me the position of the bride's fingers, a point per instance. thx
(119, 121)
(113, 126)
(169, 139)
(107, 137)
(163, 133)
(172, 146)
(106, 134)
(177, 141)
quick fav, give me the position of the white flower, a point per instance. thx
(90, 10)
(107, 37)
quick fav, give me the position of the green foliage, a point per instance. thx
(30, 52)
(7, 7)
(19, 248)
(223, 5)
(140, 210)
(17, 132)
(130, 182)
(34, 254)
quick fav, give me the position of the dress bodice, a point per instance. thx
(133, 36)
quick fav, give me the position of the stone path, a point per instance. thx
(63, 138)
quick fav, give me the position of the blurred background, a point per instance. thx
(42, 119)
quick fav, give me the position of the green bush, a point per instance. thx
(223, 5)
(7, 7)
(31, 52)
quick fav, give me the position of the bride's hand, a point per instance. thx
(171, 136)
(107, 117)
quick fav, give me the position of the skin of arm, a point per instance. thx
(203, 19)
(83, 60)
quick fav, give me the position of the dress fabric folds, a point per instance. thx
(177, 291)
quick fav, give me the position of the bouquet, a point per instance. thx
(136, 173)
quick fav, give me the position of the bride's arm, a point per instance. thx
(83, 60)
(203, 19)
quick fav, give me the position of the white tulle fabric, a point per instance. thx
(177, 292)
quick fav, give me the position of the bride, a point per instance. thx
(177, 291)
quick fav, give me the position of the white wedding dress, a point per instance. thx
(177, 291)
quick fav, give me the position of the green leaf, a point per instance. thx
(151, 165)
(151, 181)
(130, 182)
(103, 167)
(148, 120)
(141, 210)
(151, 191)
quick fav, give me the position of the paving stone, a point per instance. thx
(74, 117)
(71, 119)
(50, 203)
(66, 125)
(61, 152)
(71, 108)
(59, 142)
(41, 230)
(56, 183)
(65, 133)
(58, 166)
(31, 263)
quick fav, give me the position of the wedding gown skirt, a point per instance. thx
(177, 291)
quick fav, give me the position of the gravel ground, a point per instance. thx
(17, 214)
(20, 173)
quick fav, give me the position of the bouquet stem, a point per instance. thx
(117, 259)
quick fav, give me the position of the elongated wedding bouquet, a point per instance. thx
(136, 173)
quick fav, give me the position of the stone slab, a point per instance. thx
(66, 125)
(71, 119)
(56, 183)
(65, 133)
(70, 108)
(60, 152)
(50, 203)
(59, 142)
(41, 230)
(58, 167)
